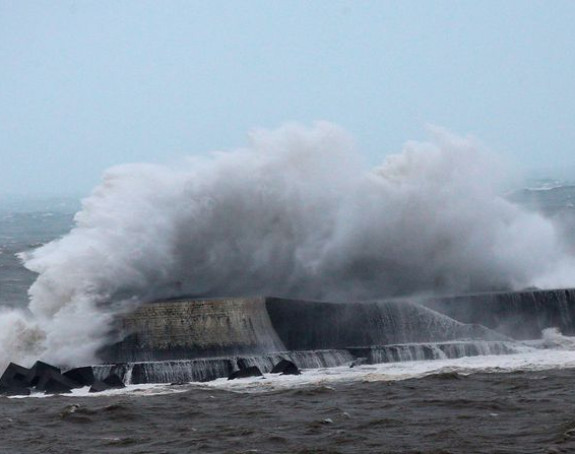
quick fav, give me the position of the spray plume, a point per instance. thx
(295, 215)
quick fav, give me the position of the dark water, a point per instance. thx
(483, 413)
(24, 227)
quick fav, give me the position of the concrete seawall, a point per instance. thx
(190, 329)
(198, 340)
(306, 325)
(520, 315)
(183, 329)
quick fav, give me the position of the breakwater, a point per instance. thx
(519, 315)
(199, 340)
(189, 329)
(206, 369)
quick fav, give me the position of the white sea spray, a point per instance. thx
(295, 214)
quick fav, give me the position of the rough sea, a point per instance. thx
(522, 403)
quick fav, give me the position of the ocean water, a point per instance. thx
(25, 224)
(482, 405)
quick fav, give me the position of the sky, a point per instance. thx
(85, 85)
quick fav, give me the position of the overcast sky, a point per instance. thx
(85, 85)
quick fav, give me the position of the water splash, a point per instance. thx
(295, 214)
(552, 338)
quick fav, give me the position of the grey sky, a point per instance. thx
(88, 84)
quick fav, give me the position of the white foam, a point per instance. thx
(552, 338)
(537, 357)
(536, 360)
(152, 389)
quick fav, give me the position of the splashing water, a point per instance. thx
(552, 338)
(294, 215)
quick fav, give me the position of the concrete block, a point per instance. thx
(15, 375)
(37, 370)
(14, 390)
(52, 382)
(286, 367)
(253, 371)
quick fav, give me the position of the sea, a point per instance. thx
(520, 403)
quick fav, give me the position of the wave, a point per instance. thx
(552, 338)
(295, 214)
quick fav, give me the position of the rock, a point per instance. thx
(253, 371)
(14, 390)
(37, 370)
(14, 375)
(83, 376)
(286, 367)
(52, 382)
